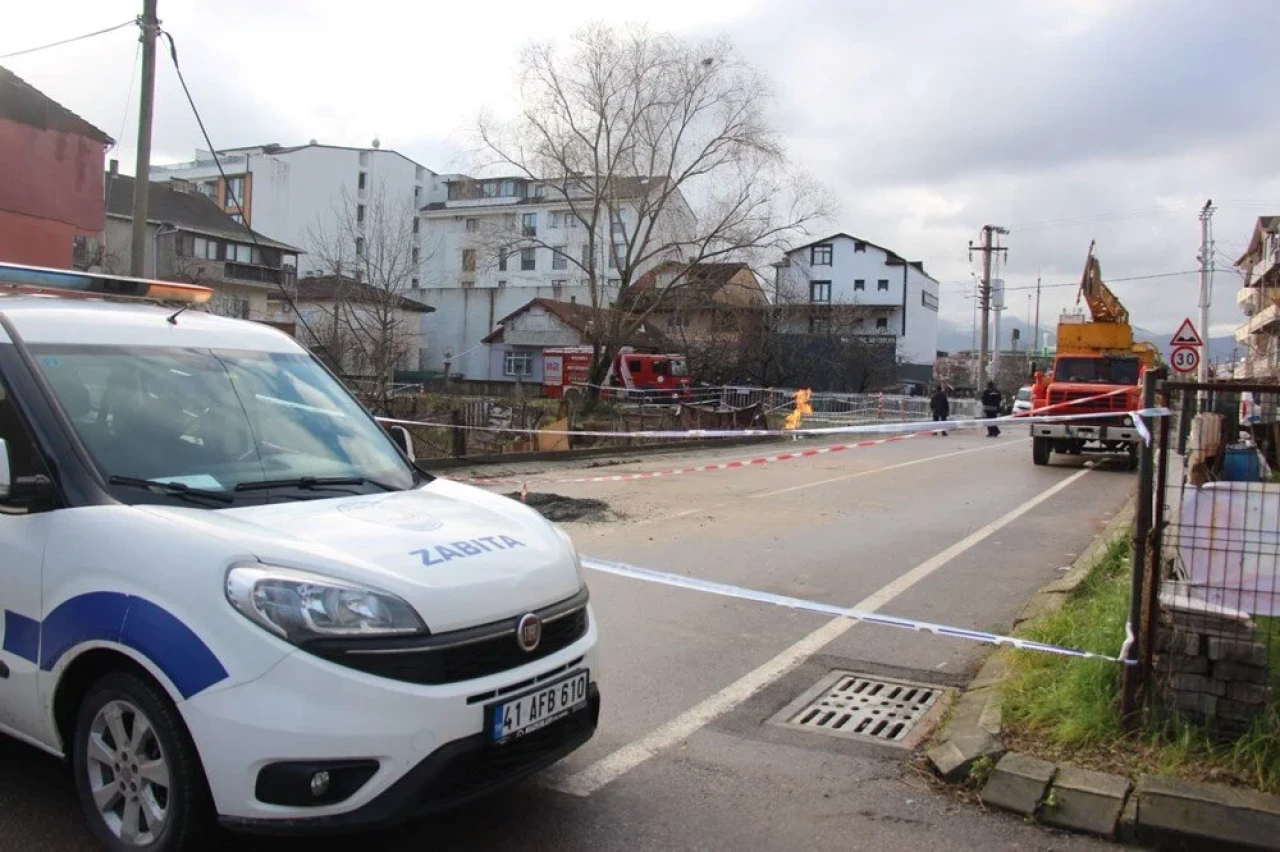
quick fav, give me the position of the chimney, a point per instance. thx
(113, 169)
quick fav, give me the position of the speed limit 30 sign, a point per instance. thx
(1185, 359)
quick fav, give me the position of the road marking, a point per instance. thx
(859, 473)
(618, 763)
(652, 519)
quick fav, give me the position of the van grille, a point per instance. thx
(460, 655)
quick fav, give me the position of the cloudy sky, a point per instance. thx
(1062, 120)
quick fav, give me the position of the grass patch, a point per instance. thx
(1066, 709)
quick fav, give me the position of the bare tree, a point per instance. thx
(366, 254)
(655, 149)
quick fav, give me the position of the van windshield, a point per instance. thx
(215, 420)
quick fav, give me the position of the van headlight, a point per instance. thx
(298, 605)
(573, 550)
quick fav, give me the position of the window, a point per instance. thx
(209, 189)
(201, 249)
(502, 282)
(819, 324)
(559, 282)
(468, 260)
(559, 258)
(563, 219)
(359, 246)
(359, 214)
(502, 259)
(615, 282)
(417, 255)
(820, 292)
(240, 253)
(678, 320)
(859, 284)
(882, 323)
(586, 256)
(237, 218)
(24, 456)
(515, 363)
(620, 223)
(617, 255)
(417, 224)
(473, 225)
(882, 285)
(820, 255)
(417, 194)
(232, 306)
(929, 300)
(540, 191)
(859, 245)
(414, 283)
(362, 181)
(528, 260)
(529, 224)
(235, 191)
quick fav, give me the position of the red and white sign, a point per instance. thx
(1185, 359)
(1186, 335)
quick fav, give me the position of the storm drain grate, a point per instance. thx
(866, 707)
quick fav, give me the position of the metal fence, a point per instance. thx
(1209, 580)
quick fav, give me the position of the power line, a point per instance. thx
(173, 54)
(128, 94)
(129, 22)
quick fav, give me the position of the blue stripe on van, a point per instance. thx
(126, 620)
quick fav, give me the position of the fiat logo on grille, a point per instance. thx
(529, 632)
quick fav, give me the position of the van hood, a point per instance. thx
(459, 555)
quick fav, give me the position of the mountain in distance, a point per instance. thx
(957, 337)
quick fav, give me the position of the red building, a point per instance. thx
(51, 167)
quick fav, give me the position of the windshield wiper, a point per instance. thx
(313, 482)
(174, 489)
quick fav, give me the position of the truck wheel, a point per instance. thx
(136, 769)
(1040, 450)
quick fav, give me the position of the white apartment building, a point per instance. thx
(1259, 298)
(848, 285)
(492, 245)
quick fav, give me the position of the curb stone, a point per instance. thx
(1168, 812)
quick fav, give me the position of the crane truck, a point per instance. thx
(1097, 368)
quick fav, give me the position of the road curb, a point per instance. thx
(1164, 812)
(434, 464)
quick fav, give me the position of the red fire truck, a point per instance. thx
(631, 375)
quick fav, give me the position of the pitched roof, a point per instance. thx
(190, 211)
(703, 278)
(578, 317)
(327, 288)
(1265, 224)
(893, 259)
(25, 104)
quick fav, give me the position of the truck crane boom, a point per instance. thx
(1103, 304)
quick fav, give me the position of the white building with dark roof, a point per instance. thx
(852, 286)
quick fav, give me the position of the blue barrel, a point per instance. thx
(1240, 464)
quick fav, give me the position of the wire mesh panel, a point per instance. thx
(1216, 599)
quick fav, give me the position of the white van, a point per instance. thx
(230, 594)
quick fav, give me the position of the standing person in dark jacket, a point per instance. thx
(991, 408)
(940, 407)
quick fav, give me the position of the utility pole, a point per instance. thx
(1206, 283)
(150, 25)
(987, 248)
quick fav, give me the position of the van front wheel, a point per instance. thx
(136, 770)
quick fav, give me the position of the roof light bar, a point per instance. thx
(96, 283)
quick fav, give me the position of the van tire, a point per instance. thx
(1040, 450)
(187, 806)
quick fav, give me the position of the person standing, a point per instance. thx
(940, 407)
(991, 400)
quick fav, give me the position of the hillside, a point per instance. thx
(953, 337)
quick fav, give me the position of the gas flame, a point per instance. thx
(802, 408)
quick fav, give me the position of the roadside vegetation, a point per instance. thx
(1067, 709)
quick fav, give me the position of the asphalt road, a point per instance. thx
(958, 530)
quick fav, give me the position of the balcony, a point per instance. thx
(1265, 319)
(251, 272)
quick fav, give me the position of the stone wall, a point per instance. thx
(1210, 667)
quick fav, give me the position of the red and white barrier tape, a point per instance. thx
(741, 463)
(870, 428)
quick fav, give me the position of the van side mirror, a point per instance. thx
(402, 439)
(4, 470)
